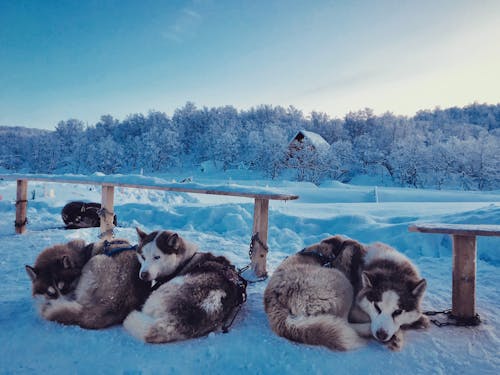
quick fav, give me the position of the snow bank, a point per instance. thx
(223, 225)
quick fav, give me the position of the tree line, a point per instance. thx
(453, 147)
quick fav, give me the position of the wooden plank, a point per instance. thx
(464, 277)
(107, 207)
(457, 229)
(21, 206)
(267, 196)
(260, 227)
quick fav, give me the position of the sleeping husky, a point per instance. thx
(93, 286)
(390, 295)
(57, 269)
(194, 293)
(337, 292)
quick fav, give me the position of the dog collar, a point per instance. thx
(177, 272)
(110, 252)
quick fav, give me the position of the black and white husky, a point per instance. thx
(194, 293)
(337, 292)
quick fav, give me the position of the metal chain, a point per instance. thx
(255, 237)
(18, 224)
(455, 321)
(102, 212)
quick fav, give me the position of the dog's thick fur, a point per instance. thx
(334, 306)
(197, 291)
(309, 303)
(107, 289)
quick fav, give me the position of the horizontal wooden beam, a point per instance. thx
(164, 187)
(457, 229)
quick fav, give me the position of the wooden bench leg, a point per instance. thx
(464, 277)
(21, 206)
(260, 225)
(107, 203)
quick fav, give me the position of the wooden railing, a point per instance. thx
(260, 215)
(464, 262)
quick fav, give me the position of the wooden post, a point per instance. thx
(260, 225)
(464, 277)
(107, 202)
(21, 206)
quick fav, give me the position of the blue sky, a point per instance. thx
(83, 59)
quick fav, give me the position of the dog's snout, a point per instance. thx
(144, 276)
(382, 335)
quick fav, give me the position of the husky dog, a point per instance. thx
(194, 293)
(390, 294)
(105, 291)
(82, 215)
(338, 291)
(57, 269)
(308, 301)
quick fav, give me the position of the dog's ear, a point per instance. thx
(365, 280)
(419, 289)
(334, 244)
(173, 241)
(142, 235)
(66, 262)
(31, 272)
(76, 244)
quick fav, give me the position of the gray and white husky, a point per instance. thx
(390, 295)
(93, 286)
(338, 292)
(194, 293)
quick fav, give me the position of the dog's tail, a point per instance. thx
(148, 329)
(327, 330)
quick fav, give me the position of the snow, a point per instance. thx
(223, 225)
(146, 182)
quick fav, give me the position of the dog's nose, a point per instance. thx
(144, 275)
(382, 335)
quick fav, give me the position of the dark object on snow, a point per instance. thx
(82, 215)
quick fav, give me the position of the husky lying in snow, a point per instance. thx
(57, 269)
(194, 292)
(336, 292)
(390, 295)
(93, 286)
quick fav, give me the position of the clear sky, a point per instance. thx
(82, 59)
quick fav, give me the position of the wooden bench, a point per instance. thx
(260, 215)
(464, 262)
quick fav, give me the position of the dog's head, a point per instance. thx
(57, 269)
(161, 253)
(390, 309)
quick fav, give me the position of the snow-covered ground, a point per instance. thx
(223, 225)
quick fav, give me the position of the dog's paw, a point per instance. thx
(43, 305)
(422, 323)
(47, 309)
(396, 342)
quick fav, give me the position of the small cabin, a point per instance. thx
(306, 140)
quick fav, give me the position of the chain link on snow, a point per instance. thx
(453, 320)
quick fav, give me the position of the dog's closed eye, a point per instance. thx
(397, 312)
